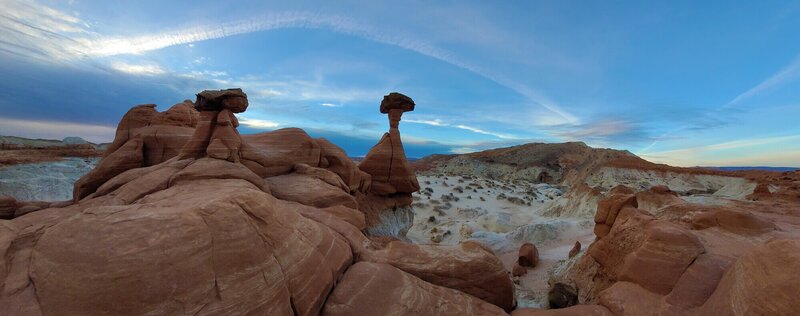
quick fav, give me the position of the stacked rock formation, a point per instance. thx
(386, 162)
(205, 221)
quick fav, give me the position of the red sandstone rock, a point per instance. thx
(129, 156)
(338, 162)
(352, 216)
(764, 281)
(662, 189)
(182, 114)
(217, 100)
(278, 151)
(626, 298)
(233, 249)
(666, 252)
(608, 209)
(386, 162)
(193, 227)
(620, 189)
(575, 249)
(8, 205)
(698, 282)
(528, 255)
(381, 289)
(309, 190)
(518, 270)
(740, 222)
(467, 267)
(396, 101)
(577, 310)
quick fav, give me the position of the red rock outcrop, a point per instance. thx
(528, 255)
(686, 259)
(144, 137)
(607, 211)
(575, 249)
(381, 289)
(198, 229)
(386, 162)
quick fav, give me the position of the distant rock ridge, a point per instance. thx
(185, 216)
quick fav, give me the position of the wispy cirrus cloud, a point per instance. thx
(138, 69)
(788, 72)
(47, 34)
(258, 124)
(439, 122)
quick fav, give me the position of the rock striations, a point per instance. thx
(185, 216)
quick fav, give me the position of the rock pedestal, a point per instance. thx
(386, 162)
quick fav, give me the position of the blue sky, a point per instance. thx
(679, 82)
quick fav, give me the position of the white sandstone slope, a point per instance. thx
(501, 215)
(44, 181)
(545, 194)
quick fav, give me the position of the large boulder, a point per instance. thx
(381, 289)
(309, 190)
(467, 267)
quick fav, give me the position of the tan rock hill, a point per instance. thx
(185, 216)
(575, 163)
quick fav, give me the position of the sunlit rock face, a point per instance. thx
(210, 222)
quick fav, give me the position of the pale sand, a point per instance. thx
(500, 224)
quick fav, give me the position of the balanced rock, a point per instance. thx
(234, 100)
(386, 162)
(528, 255)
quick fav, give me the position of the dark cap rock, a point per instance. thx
(216, 100)
(396, 100)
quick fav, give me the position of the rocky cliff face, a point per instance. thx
(184, 216)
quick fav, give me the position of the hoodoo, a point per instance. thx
(185, 216)
(386, 162)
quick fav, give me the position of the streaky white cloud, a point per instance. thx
(720, 154)
(37, 31)
(330, 105)
(790, 71)
(56, 130)
(596, 130)
(439, 122)
(434, 122)
(256, 123)
(143, 69)
(40, 40)
(480, 131)
(462, 150)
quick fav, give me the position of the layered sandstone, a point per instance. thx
(185, 216)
